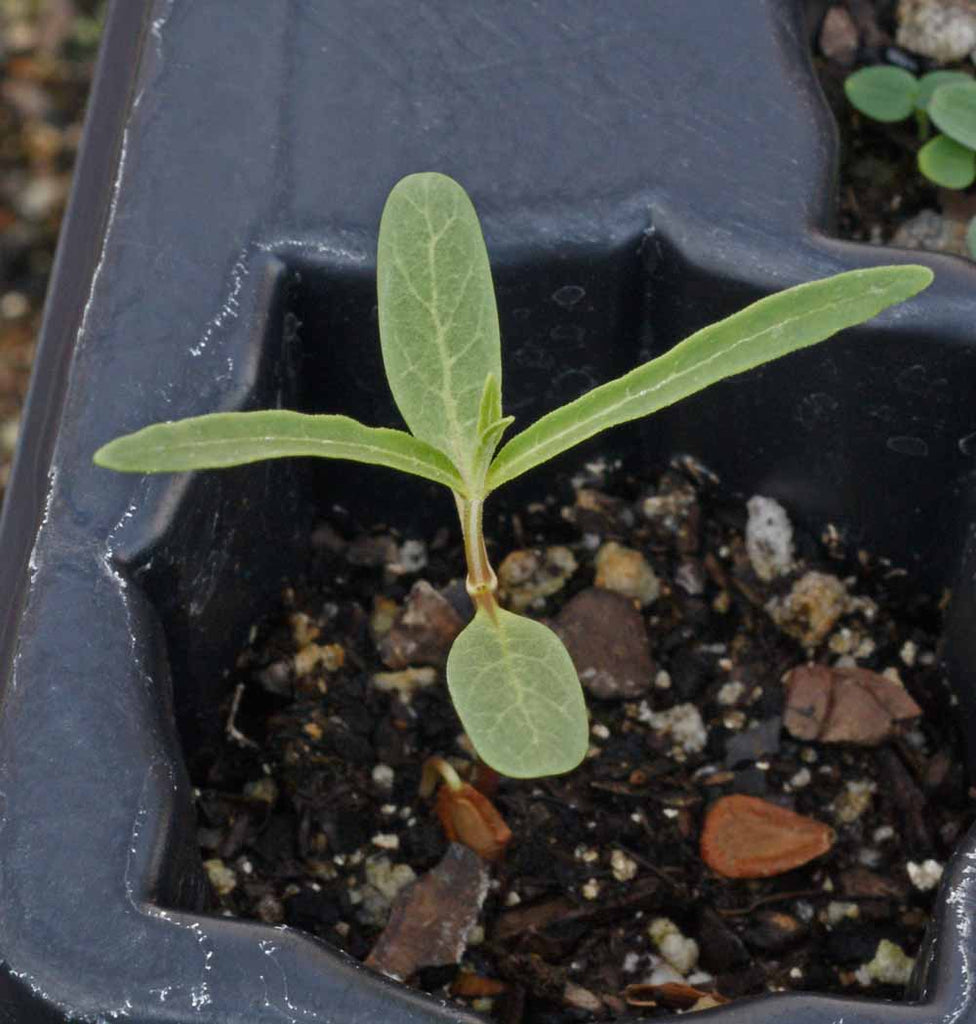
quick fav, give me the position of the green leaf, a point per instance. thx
(514, 686)
(768, 329)
(490, 409)
(928, 83)
(971, 238)
(944, 161)
(953, 110)
(234, 438)
(883, 93)
(438, 321)
(491, 426)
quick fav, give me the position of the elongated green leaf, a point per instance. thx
(490, 410)
(514, 686)
(884, 93)
(947, 163)
(437, 315)
(768, 329)
(953, 110)
(233, 438)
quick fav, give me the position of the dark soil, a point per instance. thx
(47, 56)
(310, 815)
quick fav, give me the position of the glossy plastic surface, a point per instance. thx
(640, 169)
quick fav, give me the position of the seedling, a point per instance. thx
(466, 814)
(947, 99)
(511, 679)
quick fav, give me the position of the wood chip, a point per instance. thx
(845, 705)
(745, 837)
(474, 986)
(432, 918)
(675, 995)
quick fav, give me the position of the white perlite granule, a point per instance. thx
(680, 952)
(926, 875)
(769, 538)
(683, 724)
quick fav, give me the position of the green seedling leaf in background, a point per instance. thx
(953, 111)
(516, 691)
(438, 322)
(768, 329)
(512, 681)
(883, 93)
(928, 83)
(947, 163)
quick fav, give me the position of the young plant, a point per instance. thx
(511, 679)
(947, 99)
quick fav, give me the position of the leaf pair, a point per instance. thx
(511, 679)
(947, 98)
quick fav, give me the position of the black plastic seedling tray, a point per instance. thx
(640, 169)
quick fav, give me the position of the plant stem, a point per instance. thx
(482, 582)
(435, 770)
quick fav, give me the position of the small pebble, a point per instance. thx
(854, 800)
(591, 889)
(838, 911)
(679, 951)
(801, 778)
(627, 572)
(14, 305)
(222, 878)
(811, 609)
(769, 538)
(891, 965)
(683, 724)
(386, 840)
(924, 876)
(731, 693)
(944, 30)
(526, 578)
(624, 868)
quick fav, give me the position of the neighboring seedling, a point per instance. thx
(511, 679)
(947, 99)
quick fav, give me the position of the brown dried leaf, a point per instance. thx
(745, 837)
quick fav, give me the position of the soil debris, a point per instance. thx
(432, 918)
(845, 705)
(422, 633)
(626, 572)
(527, 578)
(321, 822)
(944, 30)
(607, 640)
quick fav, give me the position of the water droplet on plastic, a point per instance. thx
(568, 295)
(967, 444)
(908, 445)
